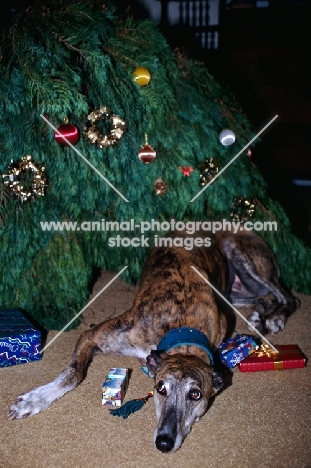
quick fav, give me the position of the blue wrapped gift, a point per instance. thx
(237, 348)
(20, 340)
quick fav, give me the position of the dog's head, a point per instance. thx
(183, 386)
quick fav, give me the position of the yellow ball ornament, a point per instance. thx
(142, 76)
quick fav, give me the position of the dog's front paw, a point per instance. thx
(255, 320)
(275, 323)
(37, 400)
(40, 398)
(25, 405)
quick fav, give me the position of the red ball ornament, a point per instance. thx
(147, 153)
(69, 131)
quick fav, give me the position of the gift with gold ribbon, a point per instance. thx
(265, 358)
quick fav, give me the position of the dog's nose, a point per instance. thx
(164, 443)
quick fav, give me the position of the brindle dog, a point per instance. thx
(173, 295)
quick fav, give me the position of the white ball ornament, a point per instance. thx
(227, 137)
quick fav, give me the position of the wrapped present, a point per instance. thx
(115, 387)
(265, 358)
(20, 340)
(237, 348)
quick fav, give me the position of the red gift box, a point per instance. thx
(265, 358)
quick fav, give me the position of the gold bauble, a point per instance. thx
(142, 76)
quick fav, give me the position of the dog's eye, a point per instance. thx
(160, 387)
(195, 394)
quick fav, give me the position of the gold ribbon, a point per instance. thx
(266, 351)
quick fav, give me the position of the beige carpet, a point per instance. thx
(262, 420)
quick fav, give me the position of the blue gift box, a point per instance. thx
(20, 340)
(237, 348)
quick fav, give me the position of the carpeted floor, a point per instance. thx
(262, 421)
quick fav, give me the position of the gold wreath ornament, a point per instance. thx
(16, 179)
(208, 170)
(242, 209)
(118, 127)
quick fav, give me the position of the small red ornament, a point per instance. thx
(147, 153)
(69, 131)
(186, 170)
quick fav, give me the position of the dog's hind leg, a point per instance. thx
(108, 337)
(254, 264)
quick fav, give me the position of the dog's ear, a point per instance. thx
(218, 381)
(153, 361)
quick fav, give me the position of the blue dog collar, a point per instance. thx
(185, 336)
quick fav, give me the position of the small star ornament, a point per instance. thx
(186, 170)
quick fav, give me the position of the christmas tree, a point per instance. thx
(115, 80)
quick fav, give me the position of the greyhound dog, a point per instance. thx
(176, 323)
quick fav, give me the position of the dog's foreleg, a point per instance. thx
(40, 398)
(109, 337)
